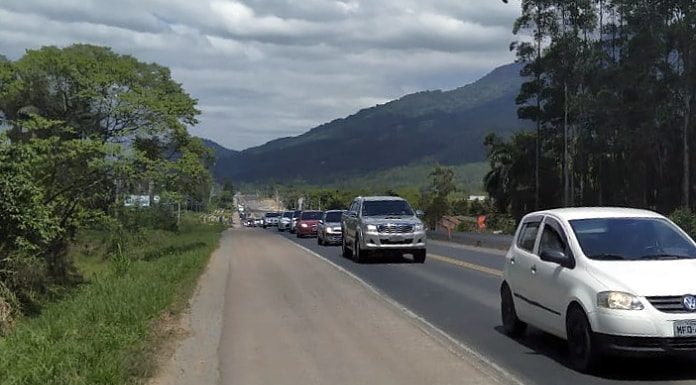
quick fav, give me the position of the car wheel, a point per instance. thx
(319, 241)
(359, 255)
(512, 325)
(347, 253)
(582, 346)
(419, 256)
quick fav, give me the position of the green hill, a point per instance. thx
(447, 127)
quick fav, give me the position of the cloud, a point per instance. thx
(263, 69)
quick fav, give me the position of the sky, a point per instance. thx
(264, 69)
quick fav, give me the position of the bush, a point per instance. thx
(685, 219)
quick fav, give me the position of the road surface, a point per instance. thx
(285, 316)
(457, 291)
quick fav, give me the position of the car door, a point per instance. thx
(520, 260)
(351, 222)
(551, 283)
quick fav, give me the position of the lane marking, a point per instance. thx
(467, 265)
(485, 364)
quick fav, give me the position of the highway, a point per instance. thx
(456, 290)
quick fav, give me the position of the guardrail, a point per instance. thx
(491, 241)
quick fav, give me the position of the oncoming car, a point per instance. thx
(329, 229)
(608, 280)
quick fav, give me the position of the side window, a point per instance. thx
(354, 207)
(528, 236)
(551, 241)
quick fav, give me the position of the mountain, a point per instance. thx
(219, 151)
(431, 126)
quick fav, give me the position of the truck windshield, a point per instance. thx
(632, 239)
(386, 208)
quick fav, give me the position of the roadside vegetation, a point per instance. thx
(107, 330)
(84, 279)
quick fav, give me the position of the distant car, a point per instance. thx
(376, 226)
(270, 219)
(285, 221)
(607, 280)
(295, 217)
(329, 228)
(307, 223)
(258, 222)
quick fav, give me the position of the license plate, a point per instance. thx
(685, 328)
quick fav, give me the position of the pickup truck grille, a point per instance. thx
(395, 228)
(671, 304)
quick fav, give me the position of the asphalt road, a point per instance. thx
(457, 291)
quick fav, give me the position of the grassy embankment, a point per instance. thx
(106, 331)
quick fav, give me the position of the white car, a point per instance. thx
(608, 280)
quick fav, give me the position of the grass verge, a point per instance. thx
(105, 331)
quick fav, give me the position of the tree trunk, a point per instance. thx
(566, 168)
(687, 166)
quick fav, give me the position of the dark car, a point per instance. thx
(307, 223)
(329, 228)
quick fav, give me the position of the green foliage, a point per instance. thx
(437, 198)
(103, 332)
(611, 86)
(686, 219)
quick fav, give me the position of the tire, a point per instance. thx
(319, 241)
(298, 235)
(583, 349)
(359, 255)
(419, 256)
(512, 325)
(347, 253)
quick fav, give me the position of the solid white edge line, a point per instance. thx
(428, 326)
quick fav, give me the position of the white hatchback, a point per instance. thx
(608, 280)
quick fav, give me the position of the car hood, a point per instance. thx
(309, 222)
(647, 278)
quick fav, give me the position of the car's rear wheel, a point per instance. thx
(347, 253)
(419, 256)
(582, 346)
(512, 325)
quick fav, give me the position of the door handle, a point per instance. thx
(534, 269)
(512, 260)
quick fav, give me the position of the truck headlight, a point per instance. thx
(617, 300)
(371, 228)
(419, 227)
(304, 225)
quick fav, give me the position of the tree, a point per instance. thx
(441, 186)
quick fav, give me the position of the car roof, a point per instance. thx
(383, 198)
(335, 211)
(575, 213)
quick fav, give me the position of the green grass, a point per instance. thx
(104, 331)
(468, 177)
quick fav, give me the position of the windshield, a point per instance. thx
(288, 214)
(386, 208)
(272, 215)
(311, 215)
(632, 239)
(333, 217)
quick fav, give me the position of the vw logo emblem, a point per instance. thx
(689, 303)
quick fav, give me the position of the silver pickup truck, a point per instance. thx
(382, 225)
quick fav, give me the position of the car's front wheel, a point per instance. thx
(319, 241)
(512, 325)
(582, 343)
(359, 255)
(419, 256)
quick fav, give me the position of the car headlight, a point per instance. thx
(617, 300)
(329, 230)
(371, 227)
(418, 227)
(304, 225)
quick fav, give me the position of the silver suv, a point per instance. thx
(387, 225)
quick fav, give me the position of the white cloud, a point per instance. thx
(268, 68)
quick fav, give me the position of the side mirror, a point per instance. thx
(557, 257)
(321, 222)
(419, 213)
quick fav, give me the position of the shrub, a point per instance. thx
(685, 219)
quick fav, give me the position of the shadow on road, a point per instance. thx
(638, 369)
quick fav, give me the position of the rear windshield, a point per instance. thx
(333, 217)
(311, 215)
(386, 208)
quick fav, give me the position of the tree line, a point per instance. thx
(81, 127)
(610, 89)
